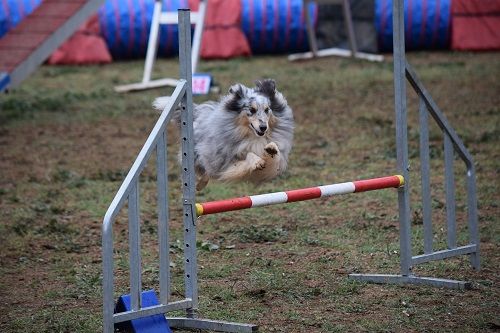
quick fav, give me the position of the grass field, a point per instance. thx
(67, 140)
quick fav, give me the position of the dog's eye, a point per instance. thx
(253, 110)
(267, 110)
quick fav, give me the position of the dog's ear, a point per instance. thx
(238, 90)
(237, 93)
(266, 87)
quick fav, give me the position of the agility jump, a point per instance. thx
(261, 200)
(128, 193)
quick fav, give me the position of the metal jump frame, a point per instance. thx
(165, 18)
(182, 95)
(129, 192)
(334, 51)
(452, 143)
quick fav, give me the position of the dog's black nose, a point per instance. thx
(263, 128)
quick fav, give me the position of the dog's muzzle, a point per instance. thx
(261, 131)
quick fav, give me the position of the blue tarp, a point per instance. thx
(427, 24)
(14, 11)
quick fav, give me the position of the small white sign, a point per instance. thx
(201, 83)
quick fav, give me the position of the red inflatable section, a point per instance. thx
(475, 25)
(222, 35)
(86, 46)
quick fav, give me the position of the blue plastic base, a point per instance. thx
(4, 81)
(153, 324)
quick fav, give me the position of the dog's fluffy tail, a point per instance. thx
(161, 103)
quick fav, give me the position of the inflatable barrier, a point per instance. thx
(14, 11)
(427, 24)
(125, 26)
(270, 26)
(476, 25)
(276, 26)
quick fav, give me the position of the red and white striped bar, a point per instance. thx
(268, 199)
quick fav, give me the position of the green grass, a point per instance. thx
(67, 141)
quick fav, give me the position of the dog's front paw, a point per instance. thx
(255, 162)
(272, 149)
(260, 164)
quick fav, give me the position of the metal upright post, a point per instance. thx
(198, 34)
(107, 279)
(134, 247)
(311, 37)
(152, 42)
(472, 218)
(163, 217)
(188, 179)
(401, 136)
(425, 174)
(350, 28)
(449, 177)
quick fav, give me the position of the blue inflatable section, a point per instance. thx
(14, 11)
(270, 26)
(427, 24)
(276, 26)
(125, 26)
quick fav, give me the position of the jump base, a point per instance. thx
(335, 52)
(147, 85)
(151, 324)
(411, 279)
(211, 325)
